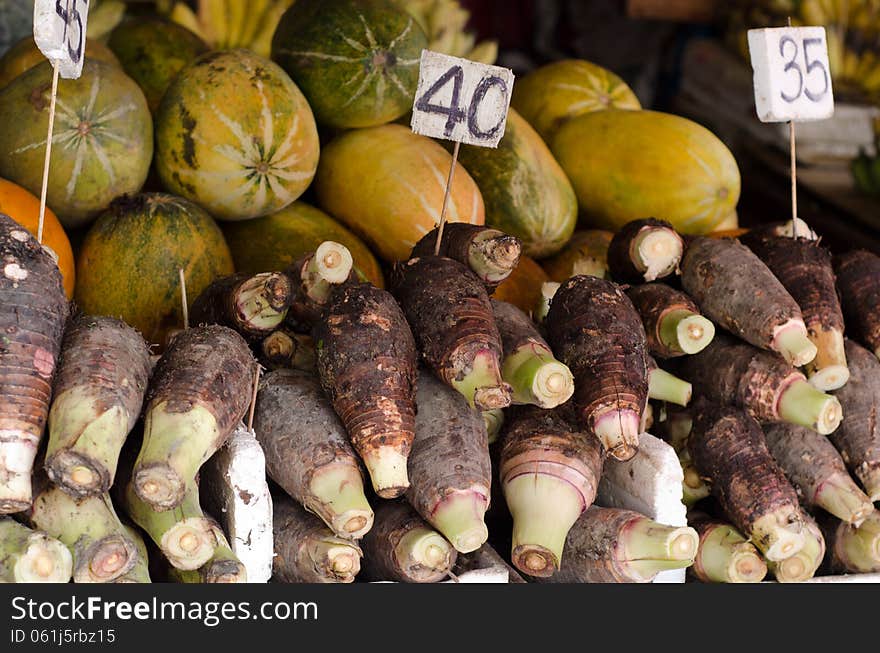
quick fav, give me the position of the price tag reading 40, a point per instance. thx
(461, 100)
(792, 74)
(60, 33)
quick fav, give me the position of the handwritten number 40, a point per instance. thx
(454, 112)
(75, 45)
(788, 44)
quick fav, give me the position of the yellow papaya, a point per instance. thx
(626, 165)
(386, 184)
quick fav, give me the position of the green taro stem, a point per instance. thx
(459, 517)
(337, 497)
(84, 446)
(800, 403)
(664, 386)
(544, 509)
(483, 385)
(726, 557)
(536, 377)
(686, 332)
(840, 496)
(174, 448)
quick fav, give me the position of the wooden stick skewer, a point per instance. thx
(446, 197)
(45, 186)
(791, 139)
(183, 298)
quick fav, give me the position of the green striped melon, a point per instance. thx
(153, 52)
(102, 143)
(128, 265)
(357, 61)
(525, 191)
(235, 135)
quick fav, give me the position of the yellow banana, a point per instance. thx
(256, 13)
(212, 16)
(262, 42)
(184, 16)
(236, 17)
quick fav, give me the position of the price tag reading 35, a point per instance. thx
(792, 74)
(60, 33)
(461, 100)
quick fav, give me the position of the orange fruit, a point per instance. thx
(23, 207)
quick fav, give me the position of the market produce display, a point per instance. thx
(575, 300)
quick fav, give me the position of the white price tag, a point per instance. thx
(60, 33)
(792, 74)
(461, 100)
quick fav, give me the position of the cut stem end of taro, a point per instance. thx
(189, 543)
(340, 500)
(387, 468)
(45, 560)
(482, 385)
(263, 301)
(828, 371)
(342, 561)
(726, 557)
(423, 553)
(792, 342)
(777, 536)
(840, 496)
(686, 332)
(656, 252)
(459, 517)
(493, 255)
(618, 431)
(537, 378)
(544, 508)
(645, 539)
(800, 403)
(106, 560)
(333, 262)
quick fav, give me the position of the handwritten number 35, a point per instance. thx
(792, 65)
(74, 47)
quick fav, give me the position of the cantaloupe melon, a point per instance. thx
(553, 94)
(235, 135)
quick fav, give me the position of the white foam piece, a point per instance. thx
(234, 490)
(649, 483)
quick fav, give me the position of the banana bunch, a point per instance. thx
(444, 22)
(225, 24)
(852, 29)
